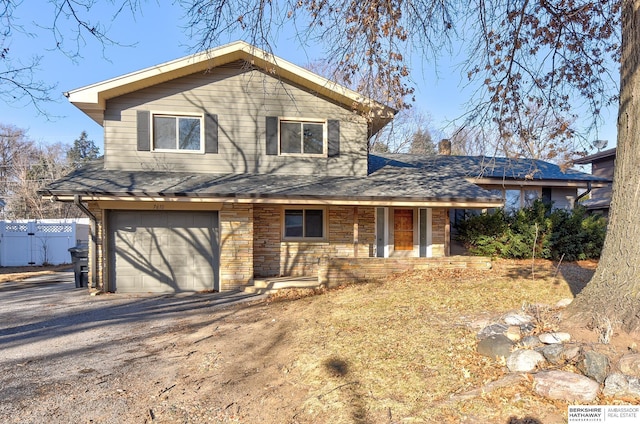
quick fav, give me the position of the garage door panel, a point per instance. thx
(163, 251)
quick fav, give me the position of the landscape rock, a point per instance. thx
(553, 338)
(524, 360)
(553, 353)
(530, 342)
(620, 385)
(563, 303)
(513, 333)
(572, 353)
(630, 364)
(594, 365)
(517, 318)
(527, 328)
(477, 324)
(495, 346)
(492, 330)
(564, 385)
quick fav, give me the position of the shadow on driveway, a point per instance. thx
(46, 316)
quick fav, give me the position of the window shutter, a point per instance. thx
(144, 136)
(271, 147)
(211, 133)
(333, 138)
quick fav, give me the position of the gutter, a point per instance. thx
(586, 192)
(77, 200)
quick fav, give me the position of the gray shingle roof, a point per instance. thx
(483, 167)
(391, 177)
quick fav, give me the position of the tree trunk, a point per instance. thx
(614, 291)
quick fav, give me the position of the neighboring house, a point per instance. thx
(602, 165)
(233, 164)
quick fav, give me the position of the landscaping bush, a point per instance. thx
(556, 234)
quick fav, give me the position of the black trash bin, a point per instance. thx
(80, 260)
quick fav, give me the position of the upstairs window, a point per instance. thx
(182, 133)
(302, 137)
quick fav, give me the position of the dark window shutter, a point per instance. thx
(210, 133)
(333, 138)
(272, 135)
(144, 136)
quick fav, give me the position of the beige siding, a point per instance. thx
(241, 100)
(563, 198)
(605, 169)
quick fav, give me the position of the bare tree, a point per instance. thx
(25, 168)
(72, 27)
(14, 145)
(409, 132)
(471, 142)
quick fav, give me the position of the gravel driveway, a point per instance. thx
(66, 356)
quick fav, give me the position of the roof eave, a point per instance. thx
(540, 182)
(68, 196)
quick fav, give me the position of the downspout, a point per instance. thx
(585, 193)
(77, 200)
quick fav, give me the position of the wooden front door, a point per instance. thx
(403, 229)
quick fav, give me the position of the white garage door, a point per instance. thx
(163, 252)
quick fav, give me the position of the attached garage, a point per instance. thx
(163, 251)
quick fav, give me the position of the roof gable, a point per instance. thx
(92, 99)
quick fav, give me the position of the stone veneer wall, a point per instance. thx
(333, 272)
(100, 266)
(250, 242)
(236, 246)
(274, 257)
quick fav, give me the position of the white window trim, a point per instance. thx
(325, 218)
(325, 141)
(198, 115)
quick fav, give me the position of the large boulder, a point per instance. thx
(492, 330)
(524, 360)
(553, 338)
(594, 365)
(630, 364)
(495, 346)
(620, 385)
(554, 353)
(517, 318)
(564, 385)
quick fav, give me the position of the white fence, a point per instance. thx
(45, 241)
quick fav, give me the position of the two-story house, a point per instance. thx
(233, 164)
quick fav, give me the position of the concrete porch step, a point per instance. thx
(271, 285)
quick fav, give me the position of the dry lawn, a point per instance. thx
(403, 350)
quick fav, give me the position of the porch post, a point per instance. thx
(355, 231)
(447, 234)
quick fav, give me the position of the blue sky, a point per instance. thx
(156, 36)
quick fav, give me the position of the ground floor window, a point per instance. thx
(304, 223)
